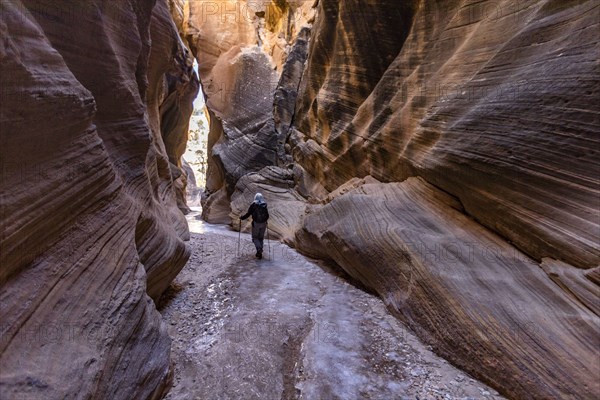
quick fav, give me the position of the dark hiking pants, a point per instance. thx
(258, 234)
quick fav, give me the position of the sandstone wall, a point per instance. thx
(493, 104)
(92, 127)
(444, 155)
(241, 47)
(486, 100)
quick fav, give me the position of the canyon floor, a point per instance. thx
(286, 327)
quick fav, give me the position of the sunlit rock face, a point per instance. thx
(446, 155)
(241, 47)
(490, 102)
(91, 232)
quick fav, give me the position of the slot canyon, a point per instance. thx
(432, 175)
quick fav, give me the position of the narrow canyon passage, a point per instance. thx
(439, 160)
(285, 328)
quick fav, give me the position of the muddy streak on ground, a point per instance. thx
(284, 328)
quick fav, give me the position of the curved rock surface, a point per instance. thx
(92, 125)
(241, 47)
(448, 155)
(486, 100)
(480, 302)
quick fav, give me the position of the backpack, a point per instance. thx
(261, 214)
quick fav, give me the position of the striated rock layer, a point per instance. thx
(241, 47)
(487, 102)
(444, 154)
(479, 301)
(92, 123)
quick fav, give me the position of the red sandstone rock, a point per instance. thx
(489, 109)
(90, 228)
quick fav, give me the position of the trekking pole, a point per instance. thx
(268, 241)
(239, 237)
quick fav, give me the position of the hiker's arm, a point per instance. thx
(248, 213)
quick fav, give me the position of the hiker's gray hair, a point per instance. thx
(259, 199)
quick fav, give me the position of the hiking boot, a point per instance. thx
(259, 254)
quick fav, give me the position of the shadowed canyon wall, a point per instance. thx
(443, 154)
(96, 98)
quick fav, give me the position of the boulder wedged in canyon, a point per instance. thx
(90, 227)
(486, 113)
(247, 143)
(241, 47)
